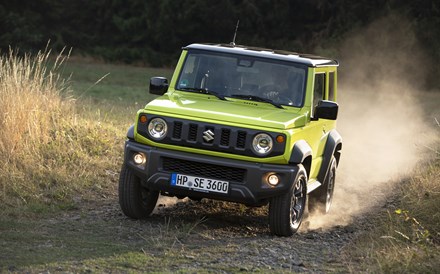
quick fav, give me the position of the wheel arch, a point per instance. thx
(130, 132)
(302, 154)
(333, 148)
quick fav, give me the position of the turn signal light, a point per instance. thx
(280, 139)
(143, 119)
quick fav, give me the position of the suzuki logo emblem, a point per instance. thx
(208, 135)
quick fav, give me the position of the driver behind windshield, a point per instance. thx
(285, 87)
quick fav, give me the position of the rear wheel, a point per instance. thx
(286, 211)
(135, 200)
(321, 199)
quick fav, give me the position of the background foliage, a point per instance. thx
(152, 31)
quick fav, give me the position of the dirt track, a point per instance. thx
(224, 237)
(246, 231)
(190, 236)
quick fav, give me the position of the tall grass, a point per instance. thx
(47, 151)
(30, 102)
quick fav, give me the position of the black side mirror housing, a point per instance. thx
(326, 110)
(158, 85)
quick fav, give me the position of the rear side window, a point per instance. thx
(319, 88)
(331, 87)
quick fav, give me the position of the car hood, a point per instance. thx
(230, 111)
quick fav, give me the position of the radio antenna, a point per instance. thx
(235, 33)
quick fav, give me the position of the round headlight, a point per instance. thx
(262, 144)
(157, 128)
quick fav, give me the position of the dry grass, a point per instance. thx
(47, 151)
(405, 238)
(30, 101)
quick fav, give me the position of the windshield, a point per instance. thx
(244, 77)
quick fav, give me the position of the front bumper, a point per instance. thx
(247, 180)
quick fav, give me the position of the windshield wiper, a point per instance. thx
(256, 98)
(205, 91)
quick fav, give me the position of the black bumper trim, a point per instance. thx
(251, 190)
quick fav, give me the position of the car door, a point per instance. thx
(318, 127)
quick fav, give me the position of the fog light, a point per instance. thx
(273, 179)
(139, 159)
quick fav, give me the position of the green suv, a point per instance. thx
(240, 124)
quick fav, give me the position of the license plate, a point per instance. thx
(199, 183)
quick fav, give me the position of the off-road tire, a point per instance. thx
(286, 211)
(136, 201)
(321, 199)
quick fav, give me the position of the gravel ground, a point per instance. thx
(225, 237)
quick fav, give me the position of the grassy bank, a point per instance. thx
(63, 127)
(406, 235)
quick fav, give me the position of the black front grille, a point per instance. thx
(241, 140)
(192, 133)
(224, 173)
(177, 130)
(212, 137)
(224, 139)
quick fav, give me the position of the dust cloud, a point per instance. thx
(383, 121)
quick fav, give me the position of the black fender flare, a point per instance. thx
(301, 150)
(301, 154)
(130, 132)
(332, 148)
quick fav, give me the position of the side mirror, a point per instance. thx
(158, 85)
(326, 110)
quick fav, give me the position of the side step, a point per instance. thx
(312, 186)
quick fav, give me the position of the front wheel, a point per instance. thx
(136, 201)
(286, 211)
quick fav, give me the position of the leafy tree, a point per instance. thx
(152, 31)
